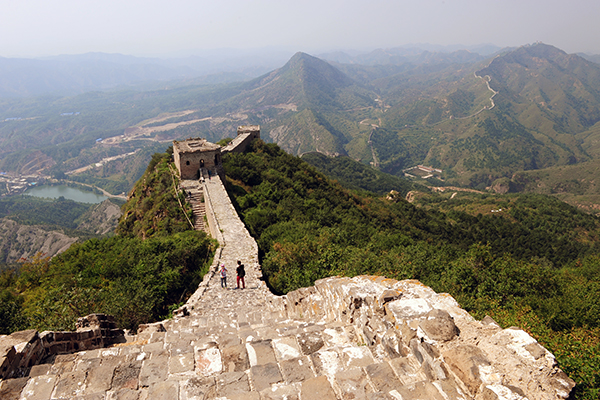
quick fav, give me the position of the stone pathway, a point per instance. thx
(361, 338)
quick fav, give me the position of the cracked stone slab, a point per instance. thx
(126, 376)
(121, 394)
(296, 370)
(420, 391)
(164, 390)
(198, 388)
(230, 383)
(357, 356)
(260, 352)
(208, 361)
(286, 348)
(10, 389)
(70, 385)
(39, 387)
(353, 383)
(310, 342)
(264, 375)
(408, 370)
(326, 362)
(382, 376)
(154, 370)
(280, 392)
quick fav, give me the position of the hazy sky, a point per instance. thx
(159, 27)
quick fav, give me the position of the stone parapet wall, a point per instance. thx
(428, 336)
(24, 349)
(245, 136)
(213, 224)
(239, 144)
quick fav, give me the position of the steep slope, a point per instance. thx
(526, 109)
(555, 92)
(305, 105)
(22, 242)
(31, 226)
(354, 175)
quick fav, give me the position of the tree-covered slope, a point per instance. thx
(151, 266)
(536, 262)
(538, 112)
(156, 206)
(274, 189)
(354, 175)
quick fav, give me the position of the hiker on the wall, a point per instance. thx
(223, 273)
(241, 273)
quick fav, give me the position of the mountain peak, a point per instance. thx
(306, 66)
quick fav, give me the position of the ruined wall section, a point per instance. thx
(245, 136)
(429, 337)
(24, 349)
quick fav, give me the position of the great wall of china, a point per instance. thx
(345, 338)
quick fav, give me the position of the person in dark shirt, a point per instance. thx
(241, 273)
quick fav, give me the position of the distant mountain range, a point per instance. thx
(66, 75)
(482, 118)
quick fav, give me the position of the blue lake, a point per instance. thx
(54, 192)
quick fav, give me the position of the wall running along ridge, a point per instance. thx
(365, 337)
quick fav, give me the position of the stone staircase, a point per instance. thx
(361, 338)
(196, 199)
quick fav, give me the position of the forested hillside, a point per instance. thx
(149, 268)
(534, 265)
(355, 175)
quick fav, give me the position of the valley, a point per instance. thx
(482, 121)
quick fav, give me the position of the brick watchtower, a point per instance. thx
(191, 155)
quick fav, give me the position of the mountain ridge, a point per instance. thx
(441, 114)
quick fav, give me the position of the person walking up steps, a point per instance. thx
(223, 273)
(241, 273)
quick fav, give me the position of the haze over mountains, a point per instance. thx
(74, 74)
(486, 119)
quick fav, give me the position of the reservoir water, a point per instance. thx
(54, 192)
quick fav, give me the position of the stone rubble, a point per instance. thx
(345, 338)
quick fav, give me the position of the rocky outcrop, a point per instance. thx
(19, 241)
(427, 336)
(101, 218)
(25, 241)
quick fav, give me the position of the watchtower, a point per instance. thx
(193, 154)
